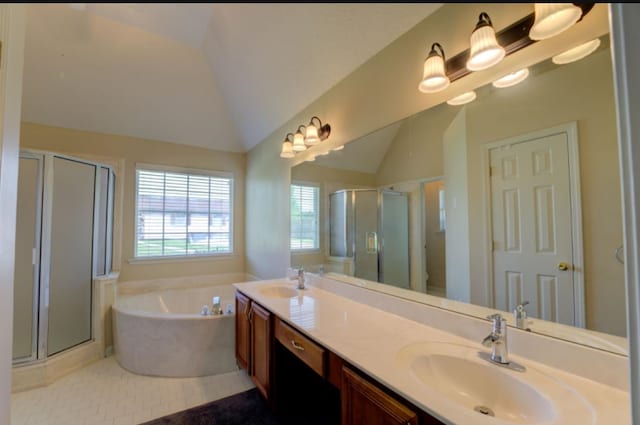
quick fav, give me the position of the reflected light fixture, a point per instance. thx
(338, 148)
(553, 18)
(576, 53)
(511, 79)
(305, 137)
(434, 75)
(287, 147)
(485, 50)
(298, 141)
(467, 97)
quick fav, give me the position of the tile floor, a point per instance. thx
(105, 394)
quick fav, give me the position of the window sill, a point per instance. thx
(182, 259)
(305, 251)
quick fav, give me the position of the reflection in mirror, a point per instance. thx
(513, 198)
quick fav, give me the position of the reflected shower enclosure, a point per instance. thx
(369, 235)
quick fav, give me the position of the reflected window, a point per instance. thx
(182, 214)
(443, 214)
(305, 217)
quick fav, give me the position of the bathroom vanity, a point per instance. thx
(319, 348)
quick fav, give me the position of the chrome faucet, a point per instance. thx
(497, 340)
(300, 278)
(520, 314)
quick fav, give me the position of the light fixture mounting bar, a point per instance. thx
(512, 38)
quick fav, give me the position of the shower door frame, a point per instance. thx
(42, 268)
(36, 306)
(380, 212)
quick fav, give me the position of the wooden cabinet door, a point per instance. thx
(260, 348)
(243, 305)
(363, 403)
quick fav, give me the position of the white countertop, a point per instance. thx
(371, 339)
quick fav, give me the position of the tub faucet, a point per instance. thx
(497, 340)
(300, 278)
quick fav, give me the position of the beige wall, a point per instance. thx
(581, 92)
(132, 150)
(383, 90)
(12, 32)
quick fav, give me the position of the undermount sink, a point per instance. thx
(499, 395)
(279, 291)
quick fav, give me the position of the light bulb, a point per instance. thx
(298, 142)
(434, 76)
(553, 18)
(485, 50)
(287, 150)
(311, 138)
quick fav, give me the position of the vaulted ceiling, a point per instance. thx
(221, 76)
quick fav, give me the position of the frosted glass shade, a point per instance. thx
(485, 50)
(311, 137)
(434, 77)
(298, 142)
(576, 53)
(287, 150)
(467, 97)
(553, 18)
(512, 79)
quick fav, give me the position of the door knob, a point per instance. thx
(563, 266)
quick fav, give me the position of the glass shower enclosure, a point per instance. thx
(63, 240)
(371, 227)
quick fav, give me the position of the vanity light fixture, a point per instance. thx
(485, 50)
(576, 53)
(511, 39)
(434, 76)
(511, 79)
(304, 137)
(467, 97)
(553, 18)
(287, 148)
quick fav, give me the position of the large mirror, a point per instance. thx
(513, 198)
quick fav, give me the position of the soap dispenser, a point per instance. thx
(521, 316)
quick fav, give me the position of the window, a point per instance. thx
(304, 217)
(443, 211)
(182, 213)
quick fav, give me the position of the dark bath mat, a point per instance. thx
(246, 408)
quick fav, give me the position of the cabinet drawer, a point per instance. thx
(308, 351)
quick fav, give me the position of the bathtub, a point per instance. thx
(163, 334)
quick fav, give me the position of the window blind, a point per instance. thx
(181, 214)
(304, 217)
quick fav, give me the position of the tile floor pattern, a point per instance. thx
(105, 394)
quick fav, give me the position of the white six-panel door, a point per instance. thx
(532, 227)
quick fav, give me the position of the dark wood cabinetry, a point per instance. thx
(260, 320)
(363, 403)
(293, 372)
(242, 331)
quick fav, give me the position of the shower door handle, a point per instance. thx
(371, 240)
